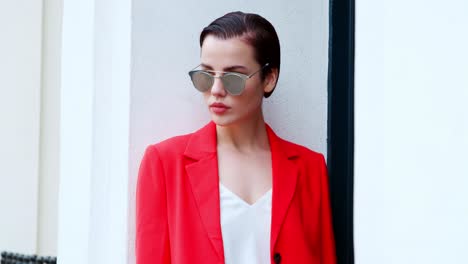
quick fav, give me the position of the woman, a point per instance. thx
(234, 192)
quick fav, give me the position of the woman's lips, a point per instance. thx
(218, 108)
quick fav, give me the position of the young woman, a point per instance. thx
(234, 192)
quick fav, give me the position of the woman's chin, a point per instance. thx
(222, 120)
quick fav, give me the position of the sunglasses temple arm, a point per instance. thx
(195, 67)
(266, 64)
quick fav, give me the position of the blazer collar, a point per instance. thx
(204, 180)
(202, 143)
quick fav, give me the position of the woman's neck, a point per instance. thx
(245, 136)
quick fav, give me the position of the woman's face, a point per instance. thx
(233, 55)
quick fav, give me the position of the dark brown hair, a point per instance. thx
(254, 30)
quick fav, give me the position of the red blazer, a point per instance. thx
(178, 206)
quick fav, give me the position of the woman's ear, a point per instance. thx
(270, 81)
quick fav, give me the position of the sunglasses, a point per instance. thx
(233, 82)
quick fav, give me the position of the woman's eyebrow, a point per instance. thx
(233, 68)
(227, 69)
(206, 66)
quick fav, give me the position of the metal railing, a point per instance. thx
(16, 258)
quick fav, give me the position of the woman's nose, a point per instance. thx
(218, 88)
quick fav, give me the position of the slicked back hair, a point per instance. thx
(255, 31)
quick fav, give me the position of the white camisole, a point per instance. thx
(245, 228)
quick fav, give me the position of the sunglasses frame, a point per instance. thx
(243, 77)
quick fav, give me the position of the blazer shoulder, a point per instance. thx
(202, 140)
(171, 146)
(303, 151)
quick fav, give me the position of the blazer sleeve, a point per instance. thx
(152, 231)
(326, 236)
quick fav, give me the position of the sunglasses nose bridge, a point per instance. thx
(218, 85)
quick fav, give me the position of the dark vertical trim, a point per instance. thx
(341, 125)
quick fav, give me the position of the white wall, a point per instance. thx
(50, 130)
(411, 132)
(20, 84)
(108, 238)
(165, 47)
(95, 101)
(369, 172)
(29, 135)
(76, 131)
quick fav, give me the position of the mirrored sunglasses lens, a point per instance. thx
(201, 80)
(233, 84)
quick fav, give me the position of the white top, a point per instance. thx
(245, 228)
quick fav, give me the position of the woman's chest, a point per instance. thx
(247, 176)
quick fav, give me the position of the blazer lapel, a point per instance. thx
(203, 176)
(285, 173)
(204, 180)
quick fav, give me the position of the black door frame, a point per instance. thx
(340, 143)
